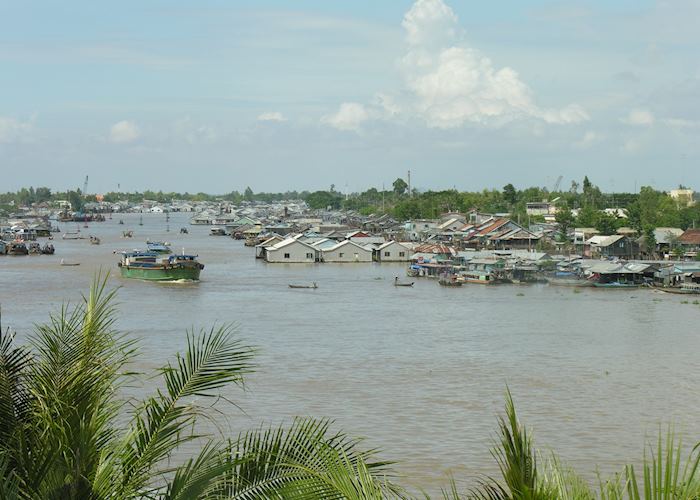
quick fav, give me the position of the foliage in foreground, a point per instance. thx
(61, 434)
(61, 437)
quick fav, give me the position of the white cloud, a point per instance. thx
(430, 23)
(451, 84)
(631, 146)
(350, 116)
(124, 132)
(588, 139)
(639, 117)
(13, 130)
(681, 123)
(272, 116)
(193, 133)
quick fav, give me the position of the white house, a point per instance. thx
(271, 241)
(393, 251)
(346, 251)
(292, 251)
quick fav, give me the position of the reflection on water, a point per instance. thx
(421, 371)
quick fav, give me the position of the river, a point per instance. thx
(419, 372)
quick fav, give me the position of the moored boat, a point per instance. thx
(17, 248)
(616, 284)
(149, 266)
(568, 279)
(478, 277)
(449, 280)
(158, 247)
(72, 235)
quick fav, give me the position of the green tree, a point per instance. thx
(324, 199)
(248, 194)
(649, 240)
(587, 217)
(400, 186)
(76, 200)
(565, 219)
(606, 224)
(510, 194)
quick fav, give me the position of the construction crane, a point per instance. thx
(85, 186)
(556, 184)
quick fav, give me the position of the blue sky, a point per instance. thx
(216, 96)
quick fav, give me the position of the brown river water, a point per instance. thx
(419, 372)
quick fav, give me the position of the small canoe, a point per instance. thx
(63, 263)
(398, 283)
(313, 285)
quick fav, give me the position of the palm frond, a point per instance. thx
(661, 475)
(200, 477)
(517, 462)
(213, 359)
(73, 383)
(307, 457)
(15, 398)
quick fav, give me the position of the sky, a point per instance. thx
(216, 96)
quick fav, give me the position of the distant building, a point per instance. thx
(683, 196)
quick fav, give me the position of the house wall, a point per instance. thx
(297, 254)
(394, 250)
(347, 253)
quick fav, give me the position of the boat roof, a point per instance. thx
(138, 253)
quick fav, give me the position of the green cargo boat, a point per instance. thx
(149, 266)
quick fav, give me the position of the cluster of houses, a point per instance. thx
(356, 246)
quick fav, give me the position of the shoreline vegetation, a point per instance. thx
(582, 204)
(63, 432)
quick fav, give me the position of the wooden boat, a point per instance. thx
(34, 248)
(17, 248)
(73, 235)
(478, 277)
(313, 285)
(684, 289)
(450, 280)
(398, 283)
(64, 263)
(94, 240)
(616, 285)
(147, 266)
(568, 279)
(127, 234)
(48, 249)
(158, 246)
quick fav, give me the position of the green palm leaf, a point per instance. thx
(213, 359)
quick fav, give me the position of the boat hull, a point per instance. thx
(569, 282)
(615, 285)
(161, 273)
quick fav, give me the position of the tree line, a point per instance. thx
(581, 205)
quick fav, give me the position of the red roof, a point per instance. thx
(493, 226)
(690, 237)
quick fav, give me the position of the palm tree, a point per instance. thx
(61, 406)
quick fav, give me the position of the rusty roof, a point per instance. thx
(690, 237)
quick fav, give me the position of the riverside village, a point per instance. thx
(542, 244)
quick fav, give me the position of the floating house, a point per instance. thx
(291, 251)
(346, 251)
